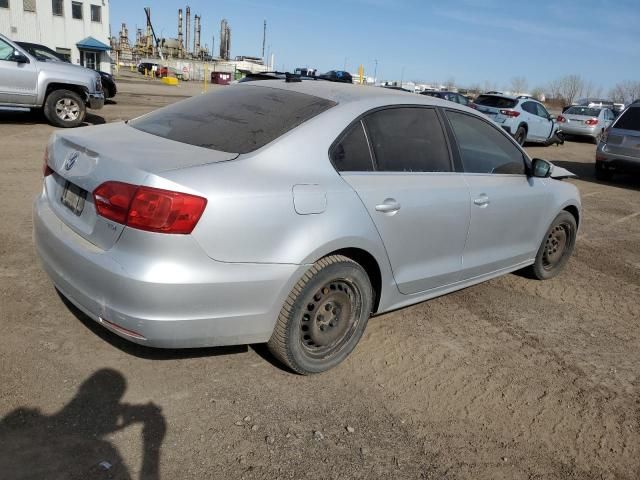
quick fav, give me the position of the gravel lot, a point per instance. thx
(511, 379)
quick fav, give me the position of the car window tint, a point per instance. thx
(351, 153)
(542, 112)
(496, 102)
(408, 140)
(483, 148)
(236, 119)
(530, 107)
(6, 50)
(462, 100)
(630, 120)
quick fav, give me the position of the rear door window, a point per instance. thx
(236, 119)
(629, 120)
(530, 107)
(484, 148)
(351, 153)
(408, 140)
(541, 111)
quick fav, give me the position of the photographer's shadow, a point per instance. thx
(74, 442)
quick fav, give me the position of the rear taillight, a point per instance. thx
(46, 169)
(591, 121)
(561, 119)
(148, 208)
(510, 113)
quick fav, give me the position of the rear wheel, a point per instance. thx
(521, 135)
(324, 316)
(602, 172)
(64, 108)
(556, 248)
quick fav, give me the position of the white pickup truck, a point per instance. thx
(62, 90)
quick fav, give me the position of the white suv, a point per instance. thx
(523, 117)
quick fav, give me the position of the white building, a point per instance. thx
(76, 29)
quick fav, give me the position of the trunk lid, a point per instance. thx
(84, 158)
(579, 120)
(623, 142)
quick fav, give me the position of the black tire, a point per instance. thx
(521, 135)
(603, 173)
(64, 108)
(324, 316)
(556, 247)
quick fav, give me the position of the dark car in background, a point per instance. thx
(451, 96)
(337, 76)
(619, 146)
(45, 54)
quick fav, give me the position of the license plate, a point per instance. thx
(73, 198)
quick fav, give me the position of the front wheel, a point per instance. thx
(64, 108)
(324, 316)
(556, 248)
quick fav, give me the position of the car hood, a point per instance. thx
(68, 68)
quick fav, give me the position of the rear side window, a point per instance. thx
(483, 148)
(351, 153)
(496, 102)
(530, 107)
(408, 140)
(236, 119)
(630, 120)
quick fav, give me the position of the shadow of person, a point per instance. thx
(74, 442)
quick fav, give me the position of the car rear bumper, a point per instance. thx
(585, 131)
(173, 297)
(613, 161)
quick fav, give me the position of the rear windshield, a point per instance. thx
(497, 102)
(589, 112)
(630, 120)
(235, 119)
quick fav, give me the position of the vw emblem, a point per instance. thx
(71, 161)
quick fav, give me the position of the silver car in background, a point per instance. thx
(288, 213)
(586, 121)
(619, 147)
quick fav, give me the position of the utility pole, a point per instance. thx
(375, 72)
(264, 38)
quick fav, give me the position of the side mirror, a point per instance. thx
(541, 168)
(19, 57)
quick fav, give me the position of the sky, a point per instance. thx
(474, 42)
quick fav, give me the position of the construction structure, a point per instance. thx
(185, 55)
(188, 36)
(225, 40)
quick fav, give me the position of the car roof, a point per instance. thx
(345, 93)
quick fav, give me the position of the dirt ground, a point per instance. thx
(511, 379)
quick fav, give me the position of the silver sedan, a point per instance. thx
(586, 121)
(289, 213)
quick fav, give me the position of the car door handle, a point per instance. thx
(482, 201)
(389, 206)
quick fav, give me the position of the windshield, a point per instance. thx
(586, 111)
(495, 101)
(236, 119)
